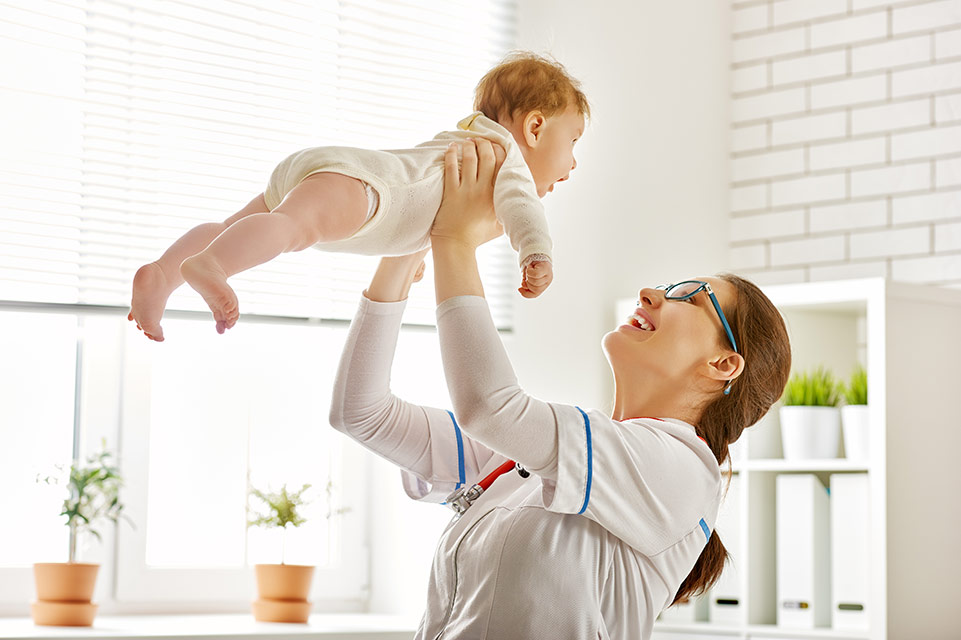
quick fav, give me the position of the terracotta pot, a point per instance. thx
(63, 614)
(64, 590)
(65, 581)
(283, 590)
(283, 581)
(281, 611)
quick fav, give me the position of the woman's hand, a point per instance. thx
(394, 277)
(465, 219)
(466, 214)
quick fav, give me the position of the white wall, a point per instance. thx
(847, 140)
(648, 201)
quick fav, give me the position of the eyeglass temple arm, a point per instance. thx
(720, 314)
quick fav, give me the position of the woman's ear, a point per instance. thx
(726, 367)
(534, 123)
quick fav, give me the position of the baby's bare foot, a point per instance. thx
(210, 281)
(150, 293)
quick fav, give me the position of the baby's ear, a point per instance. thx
(534, 123)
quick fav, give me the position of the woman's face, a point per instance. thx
(671, 341)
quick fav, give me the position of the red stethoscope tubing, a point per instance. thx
(508, 466)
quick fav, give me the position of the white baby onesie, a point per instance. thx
(409, 185)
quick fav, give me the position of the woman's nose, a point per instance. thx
(650, 297)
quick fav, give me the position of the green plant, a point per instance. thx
(856, 390)
(93, 495)
(816, 388)
(282, 509)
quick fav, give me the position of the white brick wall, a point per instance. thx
(846, 140)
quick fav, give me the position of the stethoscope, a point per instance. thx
(461, 499)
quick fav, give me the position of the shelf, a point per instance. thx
(774, 631)
(786, 466)
(839, 325)
(715, 630)
(213, 627)
(756, 631)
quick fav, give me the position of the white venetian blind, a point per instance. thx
(124, 123)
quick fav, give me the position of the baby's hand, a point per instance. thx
(537, 277)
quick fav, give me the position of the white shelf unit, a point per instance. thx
(909, 339)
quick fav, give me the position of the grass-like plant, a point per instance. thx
(816, 388)
(856, 390)
(93, 496)
(282, 511)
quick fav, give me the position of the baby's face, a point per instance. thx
(551, 160)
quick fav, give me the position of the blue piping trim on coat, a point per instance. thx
(707, 532)
(590, 460)
(461, 474)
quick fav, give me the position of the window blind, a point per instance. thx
(125, 123)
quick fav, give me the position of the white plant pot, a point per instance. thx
(810, 432)
(856, 429)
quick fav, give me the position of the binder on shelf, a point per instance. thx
(850, 551)
(725, 599)
(803, 538)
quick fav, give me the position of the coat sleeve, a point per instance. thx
(435, 456)
(520, 209)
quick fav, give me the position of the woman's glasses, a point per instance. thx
(689, 289)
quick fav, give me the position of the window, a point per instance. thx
(37, 380)
(221, 415)
(135, 121)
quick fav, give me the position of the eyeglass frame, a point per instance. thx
(706, 287)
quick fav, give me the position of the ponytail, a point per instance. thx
(759, 330)
(706, 570)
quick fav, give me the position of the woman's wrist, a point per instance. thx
(452, 244)
(455, 269)
(393, 278)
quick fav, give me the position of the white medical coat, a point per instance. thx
(593, 545)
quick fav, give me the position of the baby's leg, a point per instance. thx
(154, 282)
(324, 207)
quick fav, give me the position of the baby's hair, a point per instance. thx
(525, 82)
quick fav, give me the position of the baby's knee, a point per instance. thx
(300, 230)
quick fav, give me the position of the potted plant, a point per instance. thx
(65, 590)
(282, 589)
(810, 420)
(854, 416)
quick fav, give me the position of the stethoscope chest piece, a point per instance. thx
(461, 499)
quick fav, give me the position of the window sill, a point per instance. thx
(205, 627)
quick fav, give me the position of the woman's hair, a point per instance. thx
(526, 82)
(762, 339)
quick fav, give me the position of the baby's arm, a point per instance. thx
(522, 214)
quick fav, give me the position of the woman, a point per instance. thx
(614, 519)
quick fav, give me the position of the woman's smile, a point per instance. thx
(642, 320)
(639, 322)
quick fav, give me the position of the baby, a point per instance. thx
(384, 202)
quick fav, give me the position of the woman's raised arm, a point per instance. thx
(488, 402)
(424, 441)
